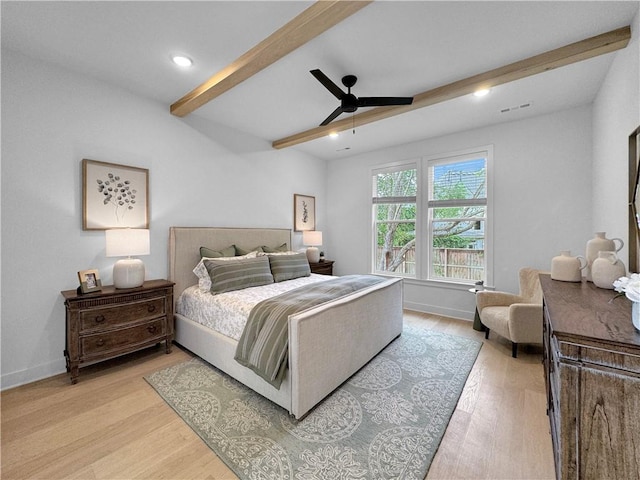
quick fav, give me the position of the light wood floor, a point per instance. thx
(112, 425)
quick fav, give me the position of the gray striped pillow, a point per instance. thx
(235, 274)
(288, 267)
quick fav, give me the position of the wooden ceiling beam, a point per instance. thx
(572, 53)
(316, 19)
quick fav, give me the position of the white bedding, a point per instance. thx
(227, 313)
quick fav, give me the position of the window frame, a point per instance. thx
(423, 221)
(389, 168)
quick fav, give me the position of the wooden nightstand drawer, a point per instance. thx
(100, 318)
(101, 343)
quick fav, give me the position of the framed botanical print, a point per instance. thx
(114, 196)
(304, 212)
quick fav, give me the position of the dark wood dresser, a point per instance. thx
(113, 322)
(592, 373)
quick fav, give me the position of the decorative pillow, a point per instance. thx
(242, 251)
(288, 267)
(236, 273)
(204, 280)
(281, 248)
(230, 251)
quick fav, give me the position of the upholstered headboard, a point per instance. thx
(185, 243)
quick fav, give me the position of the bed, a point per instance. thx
(327, 343)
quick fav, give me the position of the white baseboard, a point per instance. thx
(446, 312)
(22, 377)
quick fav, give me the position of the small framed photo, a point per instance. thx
(304, 212)
(89, 281)
(114, 196)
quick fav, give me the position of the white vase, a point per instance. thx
(566, 268)
(635, 315)
(597, 244)
(606, 269)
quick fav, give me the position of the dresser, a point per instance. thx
(114, 322)
(592, 374)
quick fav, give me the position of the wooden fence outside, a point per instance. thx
(459, 263)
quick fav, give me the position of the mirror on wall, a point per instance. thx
(634, 201)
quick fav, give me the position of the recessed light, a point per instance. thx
(182, 60)
(333, 134)
(482, 92)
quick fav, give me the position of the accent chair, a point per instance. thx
(518, 318)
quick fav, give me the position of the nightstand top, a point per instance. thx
(325, 262)
(108, 290)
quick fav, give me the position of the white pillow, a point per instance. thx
(204, 280)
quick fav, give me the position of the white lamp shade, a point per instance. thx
(312, 238)
(124, 242)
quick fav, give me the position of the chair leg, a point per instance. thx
(514, 349)
(486, 333)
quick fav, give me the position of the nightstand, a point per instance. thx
(323, 268)
(114, 322)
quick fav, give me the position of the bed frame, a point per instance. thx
(327, 344)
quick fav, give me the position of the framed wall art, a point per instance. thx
(304, 212)
(114, 196)
(89, 281)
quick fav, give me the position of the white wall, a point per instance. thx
(200, 174)
(541, 194)
(616, 113)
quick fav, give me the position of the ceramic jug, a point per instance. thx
(606, 269)
(566, 268)
(597, 244)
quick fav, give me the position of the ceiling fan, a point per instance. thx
(349, 102)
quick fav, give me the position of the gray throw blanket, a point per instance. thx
(264, 344)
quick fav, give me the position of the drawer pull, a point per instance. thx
(151, 308)
(152, 328)
(100, 342)
(99, 318)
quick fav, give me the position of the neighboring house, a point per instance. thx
(558, 178)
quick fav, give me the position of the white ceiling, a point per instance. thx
(396, 48)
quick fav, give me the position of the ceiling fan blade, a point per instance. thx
(383, 101)
(328, 83)
(333, 115)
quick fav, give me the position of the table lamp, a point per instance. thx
(125, 242)
(313, 239)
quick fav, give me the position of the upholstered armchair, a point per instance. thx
(515, 317)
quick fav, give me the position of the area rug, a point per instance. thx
(384, 422)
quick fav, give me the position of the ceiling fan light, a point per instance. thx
(481, 92)
(182, 60)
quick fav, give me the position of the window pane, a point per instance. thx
(396, 184)
(395, 247)
(395, 238)
(458, 249)
(459, 180)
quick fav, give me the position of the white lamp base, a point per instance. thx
(128, 273)
(313, 254)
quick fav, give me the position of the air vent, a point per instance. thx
(516, 107)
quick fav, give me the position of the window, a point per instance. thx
(431, 217)
(394, 214)
(457, 213)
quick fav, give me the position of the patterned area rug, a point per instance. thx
(384, 422)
